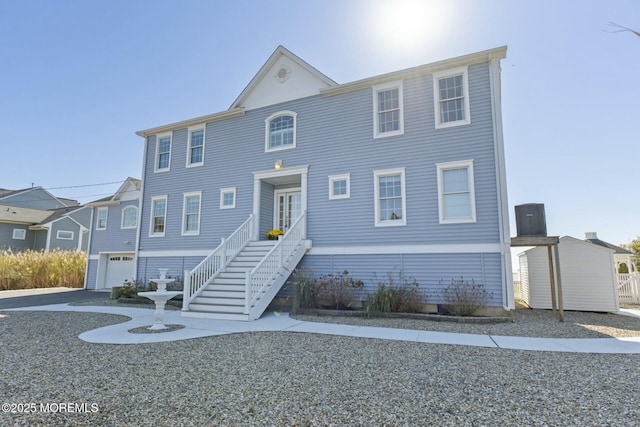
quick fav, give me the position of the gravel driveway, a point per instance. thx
(289, 379)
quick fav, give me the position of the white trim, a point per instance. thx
(503, 203)
(342, 177)
(166, 204)
(224, 191)
(122, 227)
(64, 238)
(407, 249)
(24, 234)
(192, 129)
(376, 117)
(462, 164)
(376, 190)
(157, 154)
(179, 253)
(185, 196)
(267, 133)
(464, 72)
(106, 218)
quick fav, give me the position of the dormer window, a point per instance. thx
(281, 131)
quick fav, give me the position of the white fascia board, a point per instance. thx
(407, 249)
(473, 58)
(215, 117)
(178, 253)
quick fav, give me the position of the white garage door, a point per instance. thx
(119, 269)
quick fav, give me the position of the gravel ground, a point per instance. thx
(301, 380)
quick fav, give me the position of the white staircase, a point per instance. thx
(224, 297)
(240, 278)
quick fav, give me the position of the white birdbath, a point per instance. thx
(160, 298)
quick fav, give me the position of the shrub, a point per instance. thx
(463, 298)
(337, 291)
(304, 284)
(34, 269)
(395, 294)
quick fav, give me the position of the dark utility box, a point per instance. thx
(530, 220)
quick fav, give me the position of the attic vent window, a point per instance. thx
(283, 74)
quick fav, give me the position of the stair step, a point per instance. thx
(247, 258)
(238, 309)
(236, 293)
(222, 301)
(225, 287)
(231, 275)
(228, 281)
(215, 315)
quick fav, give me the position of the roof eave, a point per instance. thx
(472, 58)
(215, 117)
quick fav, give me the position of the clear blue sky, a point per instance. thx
(78, 78)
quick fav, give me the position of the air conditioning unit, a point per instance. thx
(530, 220)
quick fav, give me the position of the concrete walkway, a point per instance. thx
(198, 328)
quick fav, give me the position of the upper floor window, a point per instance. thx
(228, 198)
(280, 131)
(158, 216)
(19, 234)
(101, 221)
(64, 235)
(339, 186)
(195, 155)
(390, 197)
(451, 97)
(191, 214)
(129, 217)
(388, 117)
(163, 152)
(456, 193)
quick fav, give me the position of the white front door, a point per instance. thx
(288, 208)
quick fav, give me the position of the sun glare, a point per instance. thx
(407, 24)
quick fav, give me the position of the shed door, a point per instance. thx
(119, 269)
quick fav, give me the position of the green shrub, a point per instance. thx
(395, 294)
(34, 269)
(463, 298)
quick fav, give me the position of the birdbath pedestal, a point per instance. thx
(160, 298)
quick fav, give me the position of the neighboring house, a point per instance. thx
(587, 271)
(35, 219)
(398, 173)
(621, 255)
(114, 225)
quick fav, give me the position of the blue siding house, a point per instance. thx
(401, 172)
(114, 231)
(35, 219)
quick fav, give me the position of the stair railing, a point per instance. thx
(196, 280)
(267, 271)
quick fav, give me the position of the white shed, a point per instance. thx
(589, 281)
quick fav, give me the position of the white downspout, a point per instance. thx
(501, 176)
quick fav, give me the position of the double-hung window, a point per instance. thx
(390, 197)
(158, 216)
(280, 131)
(163, 152)
(451, 97)
(456, 193)
(191, 214)
(388, 117)
(129, 217)
(195, 155)
(101, 218)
